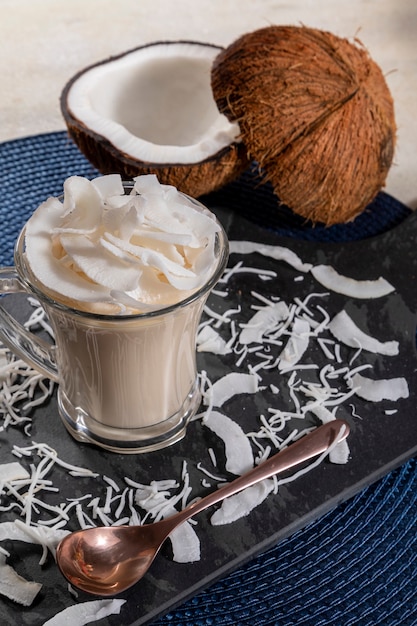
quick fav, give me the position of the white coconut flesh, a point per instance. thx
(155, 103)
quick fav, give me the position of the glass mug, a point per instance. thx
(127, 383)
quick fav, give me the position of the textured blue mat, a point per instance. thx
(358, 563)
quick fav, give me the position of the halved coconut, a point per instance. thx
(151, 110)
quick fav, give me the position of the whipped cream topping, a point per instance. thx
(103, 250)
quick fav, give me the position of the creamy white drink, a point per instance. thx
(124, 275)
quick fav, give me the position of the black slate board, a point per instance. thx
(378, 442)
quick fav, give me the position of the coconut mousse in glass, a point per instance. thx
(123, 271)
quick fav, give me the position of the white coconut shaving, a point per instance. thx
(209, 340)
(296, 346)
(86, 612)
(345, 330)
(230, 385)
(242, 503)
(261, 323)
(15, 587)
(12, 471)
(185, 543)
(383, 389)
(327, 276)
(280, 253)
(340, 454)
(239, 455)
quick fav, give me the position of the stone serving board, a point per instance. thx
(378, 442)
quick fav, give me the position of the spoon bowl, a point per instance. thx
(108, 560)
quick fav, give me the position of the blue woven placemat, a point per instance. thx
(355, 565)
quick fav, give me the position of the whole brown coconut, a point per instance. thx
(316, 114)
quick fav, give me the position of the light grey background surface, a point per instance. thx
(44, 42)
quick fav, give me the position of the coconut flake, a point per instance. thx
(378, 390)
(239, 455)
(101, 268)
(280, 253)
(263, 321)
(209, 340)
(344, 329)
(315, 463)
(185, 544)
(296, 345)
(108, 186)
(242, 503)
(86, 612)
(230, 385)
(14, 586)
(327, 276)
(340, 454)
(12, 471)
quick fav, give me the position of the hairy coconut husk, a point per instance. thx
(316, 114)
(194, 179)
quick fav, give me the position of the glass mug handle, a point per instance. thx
(34, 350)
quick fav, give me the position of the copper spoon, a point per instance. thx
(108, 560)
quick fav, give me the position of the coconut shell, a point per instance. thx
(194, 179)
(315, 112)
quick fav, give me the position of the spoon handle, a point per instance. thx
(309, 446)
